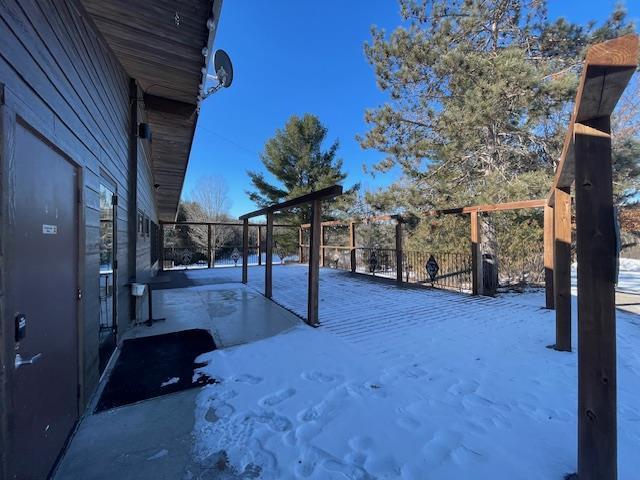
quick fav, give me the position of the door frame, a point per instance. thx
(13, 113)
(106, 179)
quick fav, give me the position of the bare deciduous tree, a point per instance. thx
(211, 193)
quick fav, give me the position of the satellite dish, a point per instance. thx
(223, 73)
(223, 68)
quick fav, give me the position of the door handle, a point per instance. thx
(20, 361)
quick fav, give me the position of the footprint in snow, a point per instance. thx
(275, 422)
(278, 397)
(318, 377)
(246, 378)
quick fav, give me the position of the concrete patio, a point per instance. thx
(153, 439)
(377, 321)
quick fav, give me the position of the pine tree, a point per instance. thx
(480, 94)
(295, 157)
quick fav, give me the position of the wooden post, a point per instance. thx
(352, 241)
(209, 245)
(213, 246)
(268, 285)
(245, 250)
(315, 243)
(300, 251)
(161, 246)
(562, 268)
(399, 251)
(476, 256)
(548, 256)
(597, 257)
(321, 245)
(259, 245)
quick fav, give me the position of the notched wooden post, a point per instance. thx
(268, 277)
(245, 250)
(562, 268)
(315, 241)
(597, 257)
(548, 256)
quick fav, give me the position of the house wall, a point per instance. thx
(60, 77)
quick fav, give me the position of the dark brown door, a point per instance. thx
(43, 283)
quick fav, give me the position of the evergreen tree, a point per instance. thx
(295, 157)
(480, 95)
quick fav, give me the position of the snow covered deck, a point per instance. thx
(406, 383)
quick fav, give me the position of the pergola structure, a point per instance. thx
(315, 199)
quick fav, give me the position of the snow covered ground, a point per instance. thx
(406, 383)
(629, 276)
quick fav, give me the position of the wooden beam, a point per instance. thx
(323, 194)
(166, 105)
(548, 240)
(245, 251)
(608, 67)
(476, 256)
(399, 252)
(268, 271)
(208, 246)
(562, 268)
(314, 263)
(495, 207)
(352, 245)
(597, 257)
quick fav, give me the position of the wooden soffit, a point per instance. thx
(165, 45)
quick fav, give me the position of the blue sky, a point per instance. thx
(298, 56)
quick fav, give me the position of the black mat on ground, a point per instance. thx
(152, 366)
(169, 280)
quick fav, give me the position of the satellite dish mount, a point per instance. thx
(223, 73)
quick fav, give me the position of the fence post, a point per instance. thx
(321, 244)
(209, 245)
(548, 256)
(315, 252)
(268, 286)
(161, 247)
(597, 256)
(352, 242)
(300, 244)
(562, 268)
(477, 283)
(245, 250)
(259, 245)
(399, 250)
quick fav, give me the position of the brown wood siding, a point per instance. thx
(61, 78)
